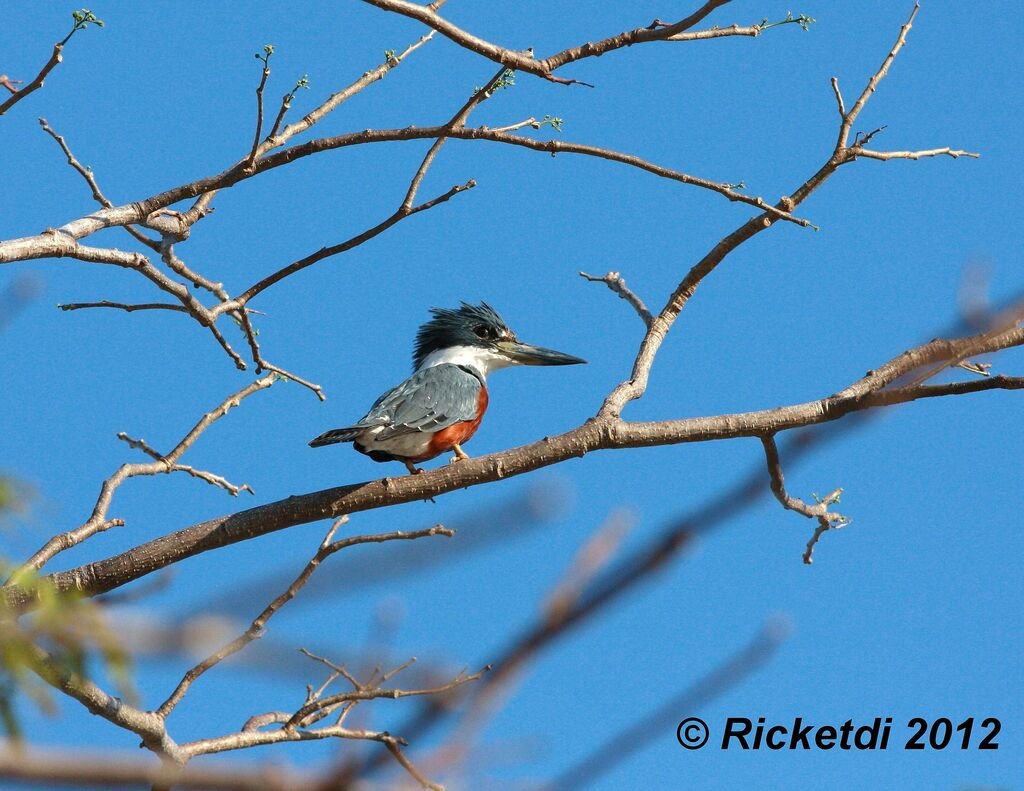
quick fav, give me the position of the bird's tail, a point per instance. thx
(336, 435)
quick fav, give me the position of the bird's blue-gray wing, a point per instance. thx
(429, 400)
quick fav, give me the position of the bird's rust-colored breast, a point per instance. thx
(447, 438)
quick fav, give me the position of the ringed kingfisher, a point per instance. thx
(440, 406)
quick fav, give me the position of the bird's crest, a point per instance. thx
(468, 325)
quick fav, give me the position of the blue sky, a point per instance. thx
(913, 610)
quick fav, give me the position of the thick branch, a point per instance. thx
(107, 770)
(146, 724)
(596, 434)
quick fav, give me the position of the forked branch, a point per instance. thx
(827, 520)
(98, 521)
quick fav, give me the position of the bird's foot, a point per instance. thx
(412, 470)
(460, 454)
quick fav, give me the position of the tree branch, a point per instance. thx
(82, 20)
(90, 179)
(327, 548)
(617, 284)
(636, 385)
(326, 252)
(457, 122)
(276, 138)
(146, 724)
(596, 434)
(827, 520)
(876, 78)
(553, 147)
(45, 246)
(123, 306)
(296, 727)
(108, 770)
(932, 152)
(524, 60)
(98, 522)
(268, 50)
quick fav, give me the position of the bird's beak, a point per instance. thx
(526, 354)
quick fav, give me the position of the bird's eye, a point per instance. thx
(485, 332)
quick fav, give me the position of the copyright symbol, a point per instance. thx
(692, 733)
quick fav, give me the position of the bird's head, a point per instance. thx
(478, 335)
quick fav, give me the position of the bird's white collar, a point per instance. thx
(482, 360)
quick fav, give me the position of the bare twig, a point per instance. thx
(327, 548)
(839, 98)
(9, 84)
(875, 79)
(98, 522)
(546, 146)
(375, 693)
(242, 316)
(277, 137)
(932, 152)
(293, 729)
(902, 395)
(268, 50)
(326, 252)
(981, 369)
(636, 385)
(82, 20)
(122, 306)
(406, 764)
(524, 60)
(616, 283)
(90, 179)
(827, 520)
(457, 122)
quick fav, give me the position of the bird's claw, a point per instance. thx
(460, 454)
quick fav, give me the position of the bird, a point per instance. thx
(440, 406)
